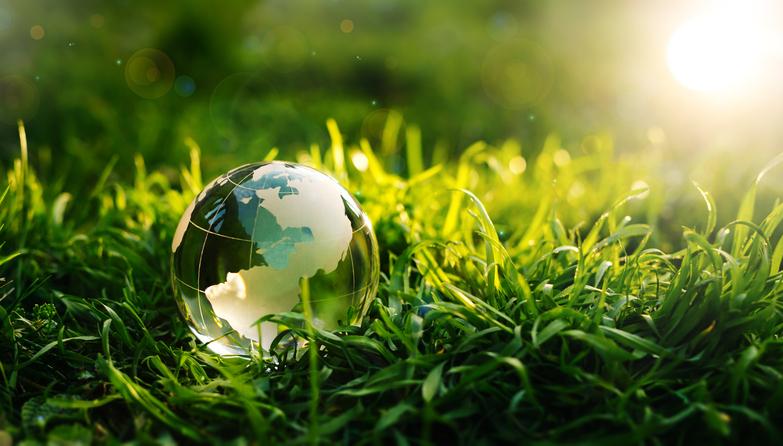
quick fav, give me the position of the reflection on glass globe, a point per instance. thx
(248, 242)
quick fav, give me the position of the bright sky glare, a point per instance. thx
(721, 49)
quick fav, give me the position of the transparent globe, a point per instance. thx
(254, 238)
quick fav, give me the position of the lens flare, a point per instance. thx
(149, 73)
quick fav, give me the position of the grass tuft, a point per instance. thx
(540, 300)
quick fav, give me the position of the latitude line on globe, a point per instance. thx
(239, 186)
(251, 189)
(204, 245)
(311, 300)
(249, 240)
(217, 233)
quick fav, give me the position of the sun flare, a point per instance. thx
(716, 52)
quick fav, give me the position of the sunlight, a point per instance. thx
(720, 50)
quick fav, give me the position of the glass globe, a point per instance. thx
(254, 238)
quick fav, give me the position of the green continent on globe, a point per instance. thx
(297, 228)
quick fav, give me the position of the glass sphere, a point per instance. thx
(254, 238)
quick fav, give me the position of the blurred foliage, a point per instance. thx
(244, 76)
(249, 76)
(99, 82)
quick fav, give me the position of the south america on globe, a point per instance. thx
(247, 244)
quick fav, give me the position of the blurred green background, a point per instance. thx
(95, 80)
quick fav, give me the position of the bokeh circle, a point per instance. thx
(149, 73)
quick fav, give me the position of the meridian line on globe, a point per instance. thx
(252, 241)
(353, 271)
(202, 196)
(253, 234)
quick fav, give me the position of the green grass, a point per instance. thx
(513, 307)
